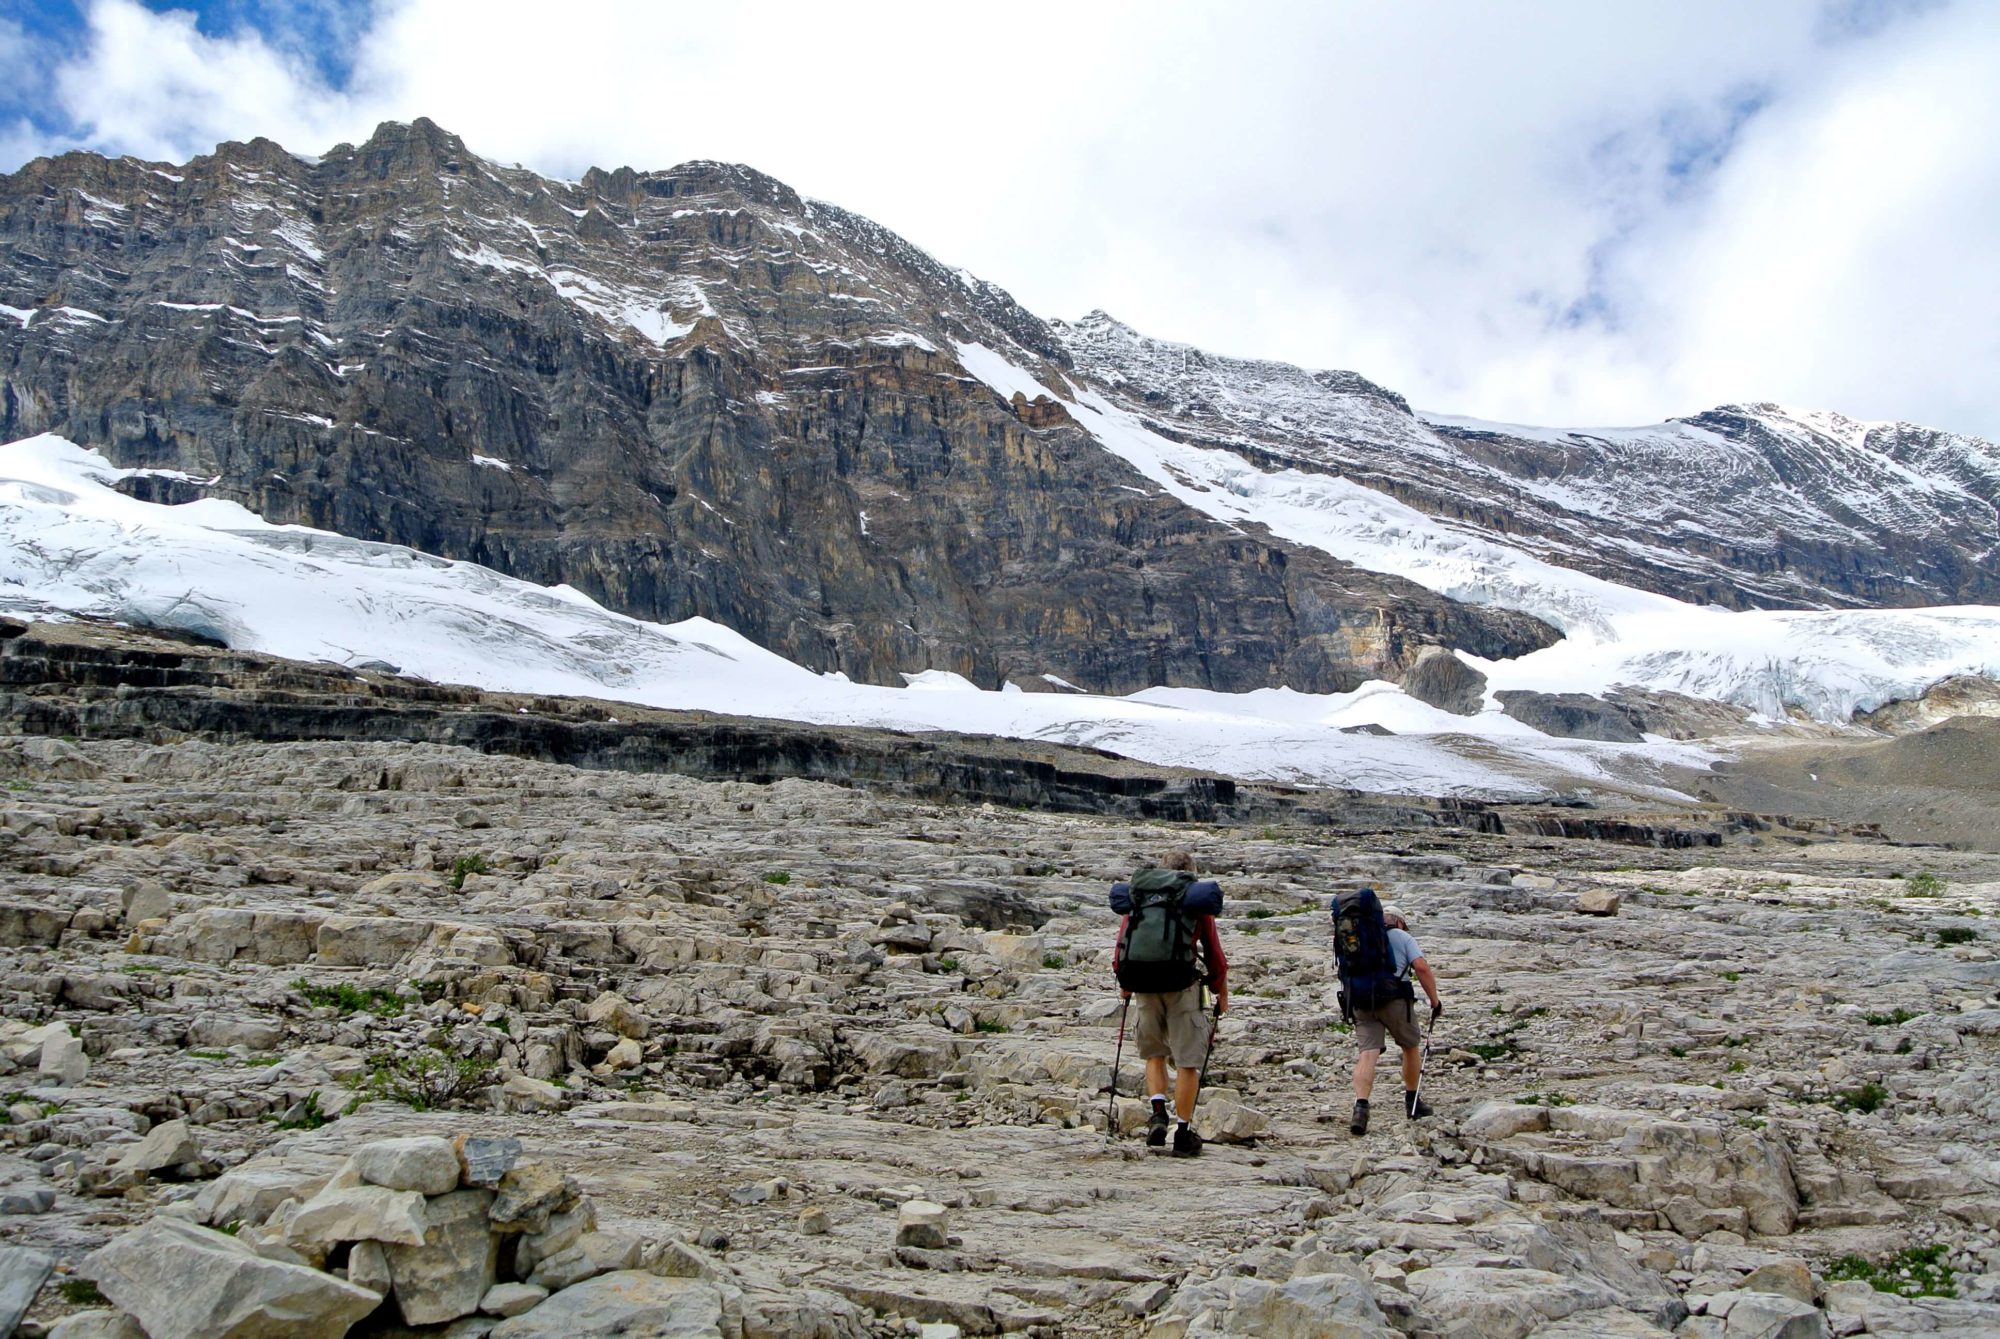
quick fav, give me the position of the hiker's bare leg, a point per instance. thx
(1364, 1075)
(1413, 1065)
(1185, 1084)
(1156, 1075)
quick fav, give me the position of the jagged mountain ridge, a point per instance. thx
(687, 393)
(693, 393)
(1743, 505)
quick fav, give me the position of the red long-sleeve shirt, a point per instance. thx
(1208, 950)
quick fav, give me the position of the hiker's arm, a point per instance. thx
(1428, 979)
(1218, 963)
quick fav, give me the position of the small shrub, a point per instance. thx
(1925, 884)
(1956, 934)
(778, 876)
(947, 964)
(79, 1292)
(209, 1055)
(1894, 1018)
(1260, 913)
(427, 1080)
(1732, 976)
(310, 1117)
(1868, 1097)
(1491, 1050)
(989, 1025)
(1253, 929)
(1677, 1051)
(1735, 1041)
(1751, 1122)
(1053, 960)
(1342, 1026)
(1738, 1066)
(464, 865)
(351, 999)
(18, 784)
(1918, 1271)
(1268, 833)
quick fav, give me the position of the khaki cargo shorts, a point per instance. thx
(1173, 1025)
(1398, 1018)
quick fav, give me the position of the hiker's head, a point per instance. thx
(1393, 915)
(1177, 860)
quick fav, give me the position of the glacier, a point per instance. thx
(72, 545)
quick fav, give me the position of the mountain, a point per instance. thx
(694, 394)
(1745, 506)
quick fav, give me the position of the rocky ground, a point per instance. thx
(823, 1062)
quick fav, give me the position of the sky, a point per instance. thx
(1566, 213)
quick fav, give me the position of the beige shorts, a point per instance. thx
(1173, 1026)
(1397, 1018)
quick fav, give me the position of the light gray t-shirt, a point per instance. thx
(1403, 945)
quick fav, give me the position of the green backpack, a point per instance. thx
(1156, 955)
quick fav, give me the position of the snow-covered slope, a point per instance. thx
(1754, 505)
(71, 543)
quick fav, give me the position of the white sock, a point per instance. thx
(1160, 1098)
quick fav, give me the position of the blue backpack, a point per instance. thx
(1362, 956)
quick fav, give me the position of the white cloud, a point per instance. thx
(1571, 213)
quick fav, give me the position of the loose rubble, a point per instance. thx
(408, 1039)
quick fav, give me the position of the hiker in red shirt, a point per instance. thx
(1169, 948)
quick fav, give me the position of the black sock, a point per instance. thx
(1361, 1101)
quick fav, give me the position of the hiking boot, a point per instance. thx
(1359, 1125)
(1187, 1144)
(1416, 1106)
(1156, 1128)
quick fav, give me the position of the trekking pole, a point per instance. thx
(1214, 1025)
(1424, 1061)
(1111, 1103)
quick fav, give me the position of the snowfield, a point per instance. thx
(70, 544)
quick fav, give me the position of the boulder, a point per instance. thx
(146, 1272)
(484, 1160)
(922, 1224)
(144, 900)
(253, 1034)
(97, 1325)
(22, 1274)
(1446, 682)
(368, 941)
(511, 1299)
(592, 1254)
(348, 1212)
(613, 1011)
(249, 1193)
(63, 1061)
(1227, 1122)
(1500, 1303)
(625, 1303)
(1313, 1306)
(1755, 1315)
(426, 1164)
(1570, 715)
(565, 1229)
(446, 1276)
(528, 1194)
(168, 1144)
(1788, 1278)
(1597, 902)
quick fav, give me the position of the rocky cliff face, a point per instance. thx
(1751, 506)
(687, 393)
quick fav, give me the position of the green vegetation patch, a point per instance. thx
(1919, 1271)
(352, 999)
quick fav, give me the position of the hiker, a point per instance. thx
(1376, 955)
(1167, 950)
